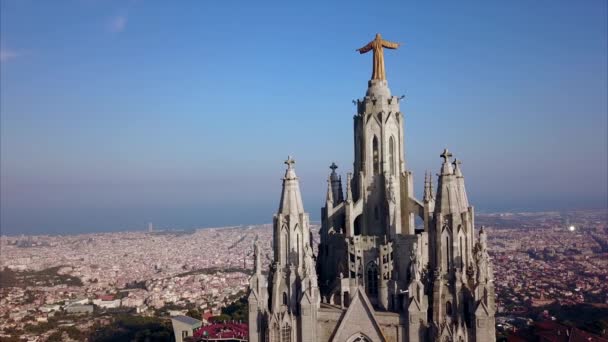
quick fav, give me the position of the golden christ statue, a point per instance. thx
(377, 45)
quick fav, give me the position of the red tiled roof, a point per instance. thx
(223, 330)
(549, 331)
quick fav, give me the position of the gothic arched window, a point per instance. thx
(286, 333)
(447, 253)
(372, 278)
(448, 308)
(284, 298)
(461, 255)
(298, 248)
(284, 246)
(391, 154)
(376, 155)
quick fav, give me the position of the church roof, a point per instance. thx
(359, 318)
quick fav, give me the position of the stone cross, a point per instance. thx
(446, 154)
(333, 167)
(290, 161)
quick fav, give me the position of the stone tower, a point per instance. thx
(380, 278)
(287, 309)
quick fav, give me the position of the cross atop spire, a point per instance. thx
(289, 162)
(333, 167)
(446, 155)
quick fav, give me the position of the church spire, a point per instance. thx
(448, 197)
(291, 199)
(446, 168)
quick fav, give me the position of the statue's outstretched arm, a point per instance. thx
(366, 48)
(389, 45)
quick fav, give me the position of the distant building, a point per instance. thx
(79, 309)
(184, 326)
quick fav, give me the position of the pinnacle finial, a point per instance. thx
(349, 193)
(333, 167)
(446, 155)
(290, 161)
(457, 170)
(330, 195)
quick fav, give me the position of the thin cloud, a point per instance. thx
(7, 54)
(117, 24)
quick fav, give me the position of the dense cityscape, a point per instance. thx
(543, 262)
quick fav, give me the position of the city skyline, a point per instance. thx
(113, 118)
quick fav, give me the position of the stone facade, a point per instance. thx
(376, 277)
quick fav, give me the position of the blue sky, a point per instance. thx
(119, 113)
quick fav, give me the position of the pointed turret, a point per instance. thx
(349, 191)
(329, 198)
(462, 192)
(258, 296)
(336, 184)
(428, 187)
(448, 198)
(291, 199)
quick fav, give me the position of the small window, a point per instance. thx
(372, 278)
(376, 155)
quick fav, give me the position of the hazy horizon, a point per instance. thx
(115, 114)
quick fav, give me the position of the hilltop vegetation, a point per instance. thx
(46, 277)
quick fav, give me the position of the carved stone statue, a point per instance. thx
(377, 46)
(414, 262)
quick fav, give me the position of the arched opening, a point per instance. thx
(285, 247)
(284, 298)
(461, 255)
(448, 308)
(372, 278)
(336, 299)
(391, 154)
(286, 333)
(375, 155)
(346, 299)
(298, 249)
(467, 310)
(358, 226)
